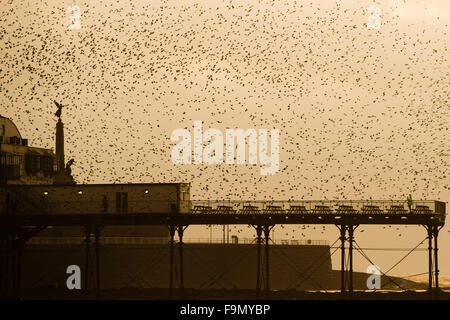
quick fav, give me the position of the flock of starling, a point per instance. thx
(363, 113)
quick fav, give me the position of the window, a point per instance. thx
(32, 163)
(121, 201)
(37, 162)
(17, 160)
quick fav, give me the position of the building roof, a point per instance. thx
(100, 184)
(13, 124)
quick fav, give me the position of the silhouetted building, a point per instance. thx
(99, 199)
(21, 163)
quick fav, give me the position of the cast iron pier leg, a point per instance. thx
(266, 235)
(180, 235)
(430, 258)
(97, 259)
(20, 247)
(86, 269)
(172, 235)
(258, 259)
(436, 268)
(350, 254)
(342, 229)
(2, 264)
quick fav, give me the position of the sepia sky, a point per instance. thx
(362, 113)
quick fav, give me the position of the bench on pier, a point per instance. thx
(202, 209)
(297, 210)
(421, 210)
(371, 209)
(273, 209)
(321, 210)
(397, 210)
(248, 209)
(225, 210)
(346, 210)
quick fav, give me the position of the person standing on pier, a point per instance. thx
(410, 202)
(105, 204)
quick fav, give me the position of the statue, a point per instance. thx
(68, 167)
(58, 112)
(65, 175)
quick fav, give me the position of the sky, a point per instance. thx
(363, 112)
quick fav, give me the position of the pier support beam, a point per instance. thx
(7, 263)
(12, 243)
(180, 230)
(2, 265)
(436, 267)
(87, 242)
(267, 230)
(342, 230)
(258, 259)
(172, 241)
(430, 257)
(97, 258)
(351, 228)
(92, 260)
(19, 252)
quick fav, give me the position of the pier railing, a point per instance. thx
(231, 207)
(318, 207)
(156, 240)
